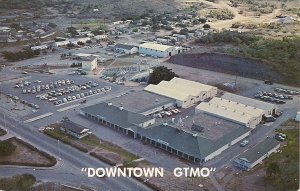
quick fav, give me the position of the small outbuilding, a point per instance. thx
(126, 48)
(257, 154)
(74, 129)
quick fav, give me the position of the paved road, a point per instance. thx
(73, 160)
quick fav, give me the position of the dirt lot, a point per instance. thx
(227, 64)
(25, 156)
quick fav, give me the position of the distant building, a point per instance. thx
(74, 129)
(4, 36)
(89, 63)
(101, 37)
(157, 50)
(40, 47)
(126, 48)
(257, 154)
(61, 43)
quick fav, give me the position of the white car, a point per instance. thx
(168, 113)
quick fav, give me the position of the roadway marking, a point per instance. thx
(67, 108)
(38, 117)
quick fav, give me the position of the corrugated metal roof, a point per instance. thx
(248, 101)
(187, 89)
(172, 93)
(189, 83)
(159, 47)
(237, 107)
(224, 112)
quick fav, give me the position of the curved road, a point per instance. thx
(73, 161)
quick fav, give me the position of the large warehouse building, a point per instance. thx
(158, 50)
(185, 92)
(268, 108)
(231, 110)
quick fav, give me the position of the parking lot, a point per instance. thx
(277, 96)
(43, 93)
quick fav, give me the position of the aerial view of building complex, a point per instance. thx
(149, 95)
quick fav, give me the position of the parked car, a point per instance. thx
(269, 82)
(244, 143)
(269, 118)
(278, 137)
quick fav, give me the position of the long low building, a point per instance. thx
(231, 110)
(158, 50)
(202, 138)
(117, 117)
(268, 108)
(257, 154)
(185, 92)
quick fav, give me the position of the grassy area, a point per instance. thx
(18, 182)
(95, 141)
(25, 154)
(2, 132)
(88, 143)
(281, 54)
(286, 177)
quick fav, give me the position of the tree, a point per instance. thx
(202, 20)
(184, 31)
(18, 182)
(80, 43)
(206, 26)
(161, 73)
(6, 147)
(273, 169)
(52, 25)
(72, 31)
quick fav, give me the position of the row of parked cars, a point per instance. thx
(286, 91)
(17, 99)
(42, 87)
(107, 78)
(167, 113)
(273, 97)
(79, 96)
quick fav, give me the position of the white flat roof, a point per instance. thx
(159, 47)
